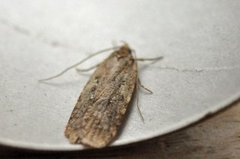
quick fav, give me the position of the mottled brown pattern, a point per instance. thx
(103, 102)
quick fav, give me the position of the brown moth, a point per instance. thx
(102, 105)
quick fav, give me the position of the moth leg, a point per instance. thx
(149, 59)
(140, 84)
(87, 69)
(137, 93)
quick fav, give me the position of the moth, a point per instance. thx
(102, 105)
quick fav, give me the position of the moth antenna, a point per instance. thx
(78, 63)
(149, 59)
(87, 69)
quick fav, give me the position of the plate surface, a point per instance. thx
(200, 72)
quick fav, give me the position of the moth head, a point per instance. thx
(124, 51)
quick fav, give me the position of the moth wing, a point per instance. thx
(102, 104)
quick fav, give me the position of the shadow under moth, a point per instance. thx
(102, 105)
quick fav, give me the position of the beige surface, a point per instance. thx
(216, 137)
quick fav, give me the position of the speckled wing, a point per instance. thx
(104, 100)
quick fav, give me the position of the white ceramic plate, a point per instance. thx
(200, 73)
